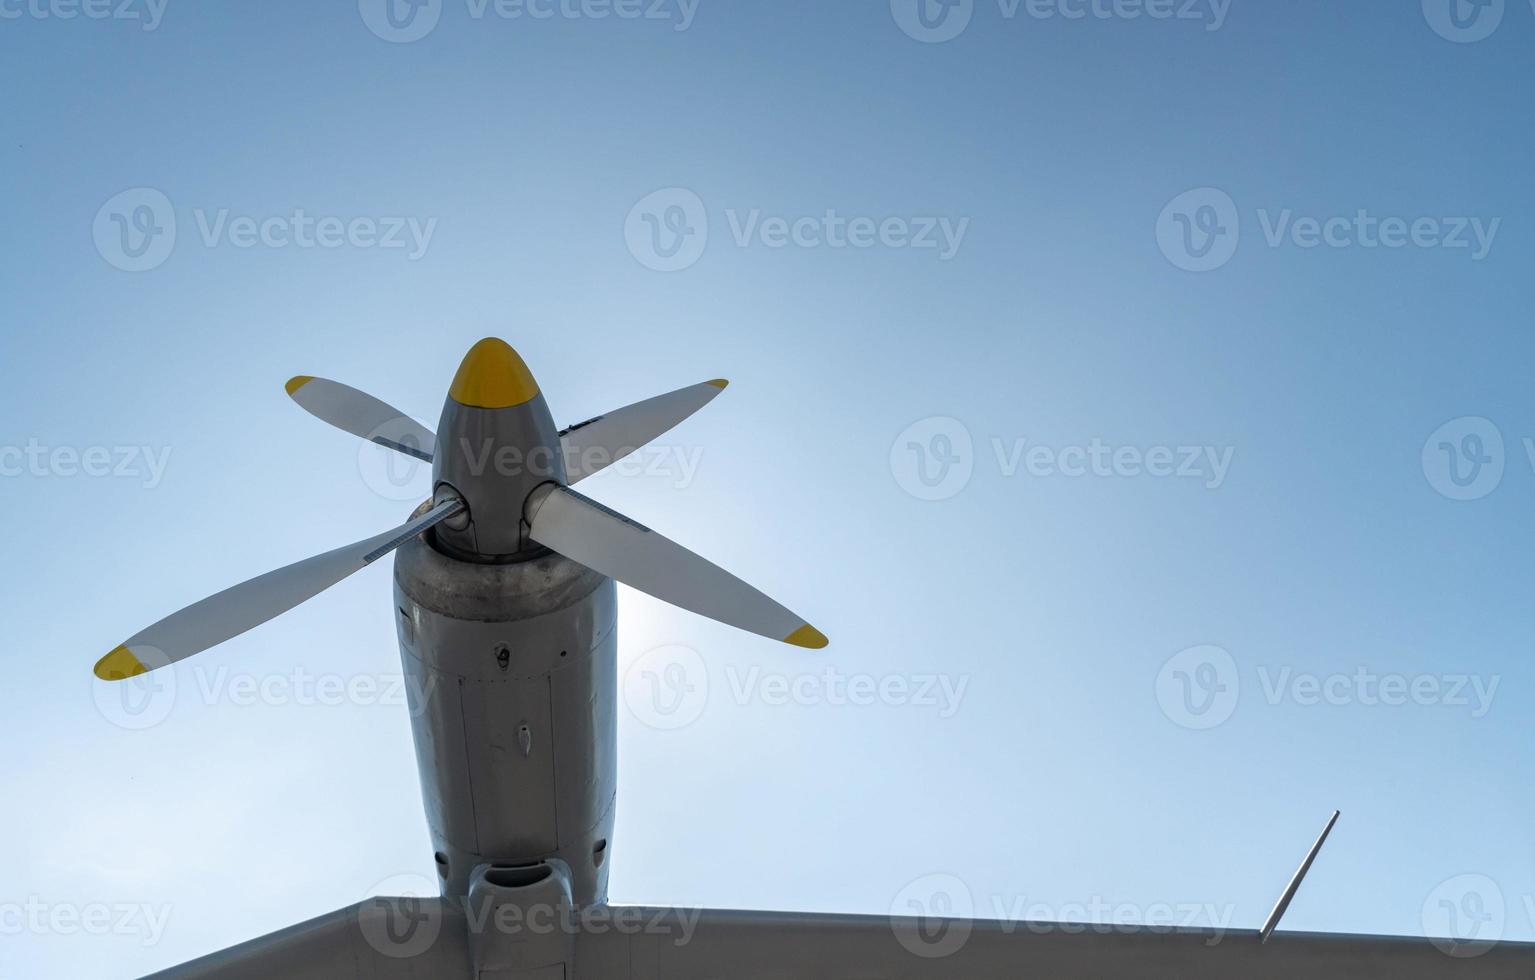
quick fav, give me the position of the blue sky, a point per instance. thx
(967, 260)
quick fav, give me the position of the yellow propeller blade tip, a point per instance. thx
(119, 665)
(493, 376)
(294, 384)
(807, 636)
(720, 383)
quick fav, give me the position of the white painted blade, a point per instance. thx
(363, 415)
(583, 530)
(246, 606)
(599, 443)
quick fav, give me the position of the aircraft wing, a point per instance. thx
(379, 939)
(376, 941)
(775, 946)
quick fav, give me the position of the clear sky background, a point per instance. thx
(1083, 763)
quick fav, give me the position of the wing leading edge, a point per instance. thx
(419, 939)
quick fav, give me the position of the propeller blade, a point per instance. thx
(246, 606)
(598, 443)
(363, 415)
(582, 529)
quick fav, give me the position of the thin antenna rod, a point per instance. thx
(1289, 893)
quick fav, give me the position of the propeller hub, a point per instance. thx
(442, 495)
(496, 444)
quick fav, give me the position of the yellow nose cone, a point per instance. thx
(493, 376)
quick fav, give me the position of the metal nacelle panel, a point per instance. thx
(509, 740)
(440, 750)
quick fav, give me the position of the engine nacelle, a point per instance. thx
(494, 655)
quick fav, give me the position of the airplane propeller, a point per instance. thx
(363, 415)
(589, 446)
(583, 530)
(557, 517)
(234, 611)
(598, 443)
